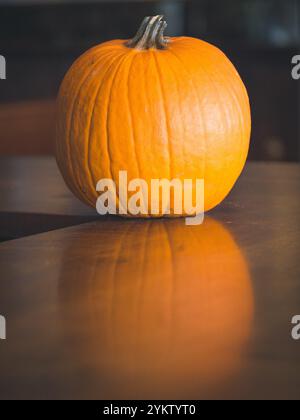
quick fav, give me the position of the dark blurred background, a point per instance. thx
(41, 38)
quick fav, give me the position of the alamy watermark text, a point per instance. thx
(2, 328)
(153, 198)
(2, 67)
(296, 328)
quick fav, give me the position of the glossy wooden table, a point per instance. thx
(117, 309)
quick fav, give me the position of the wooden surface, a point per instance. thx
(34, 198)
(114, 308)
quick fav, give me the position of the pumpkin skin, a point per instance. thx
(176, 112)
(162, 311)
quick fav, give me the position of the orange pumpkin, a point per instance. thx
(164, 311)
(156, 107)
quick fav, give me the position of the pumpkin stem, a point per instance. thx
(150, 34)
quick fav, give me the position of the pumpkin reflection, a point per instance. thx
(167, 308)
